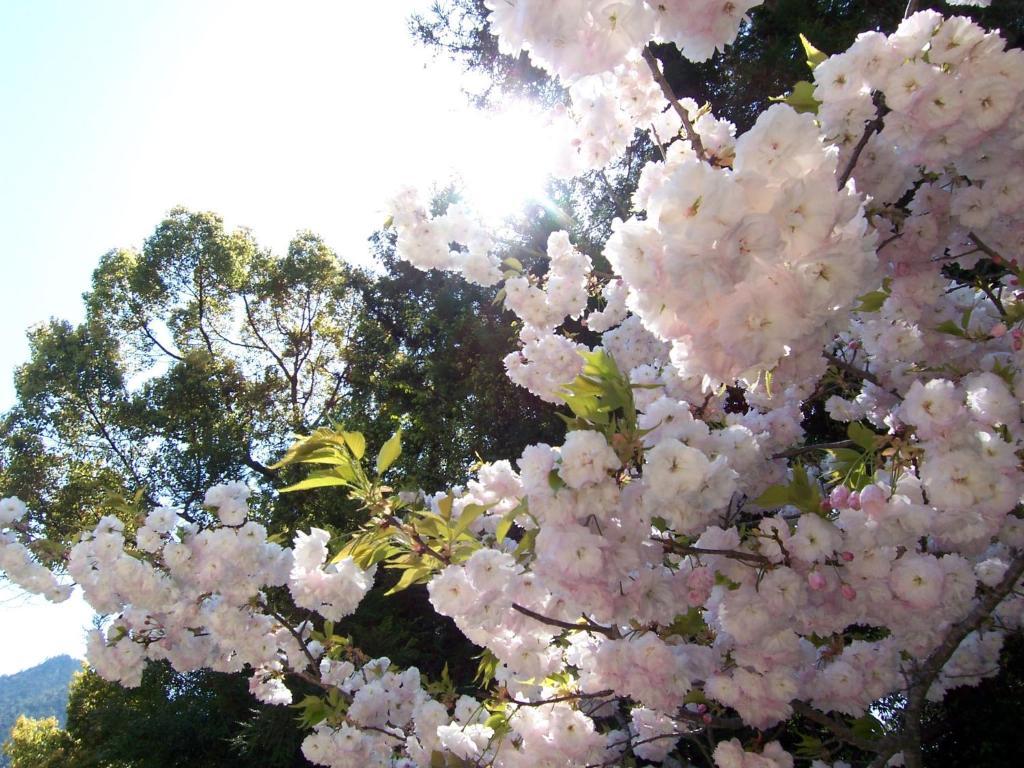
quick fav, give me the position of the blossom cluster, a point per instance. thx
(18, 562)
(586, 37)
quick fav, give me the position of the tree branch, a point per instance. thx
(145, 329)
(839, 729)
(666, 89)
(566, 697)
(924, 675)
(791, 452)
(873, 127)
(585, 626)
(411, 533)
(257, 466)
(732, 554)
(860, 373)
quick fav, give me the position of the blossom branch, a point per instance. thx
(925, 674)
(586, 626)
(860, 373)
(411, 532)
(732, 554)
(799, 450)
(296, 634)
(566, 697)
(838, 729)
(666, 89)
(870, 129)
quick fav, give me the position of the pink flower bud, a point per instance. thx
(840, 497)
(849, 592)
(816, 580)
(847, 556)
(854, 502)
(702, 708)
(873, 501)
(707, 719)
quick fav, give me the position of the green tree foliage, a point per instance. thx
(175, 719)
(198, 358)
(428, 357)
(37, 744)
(39, 692)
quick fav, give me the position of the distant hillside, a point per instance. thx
(41, 691)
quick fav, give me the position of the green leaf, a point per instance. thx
(774, 496)
(318, 480)
(314, 710)
(486, 669)
(526, 543)
(814, 56)
(695, 696)
(505, 524)
(495, 721)
(801, 98)
(445, 505)
(415, 575)
(867, 727)
(356, 443)
(325, 455)
(951, 328)
(862, 436)
(688, 624)
(469, 514)
(389, 452)
(871, 302)
(555, 480)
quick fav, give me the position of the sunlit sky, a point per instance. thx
(278, 116)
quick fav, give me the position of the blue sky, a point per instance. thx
(278, 116)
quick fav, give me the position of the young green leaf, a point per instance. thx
(814, 56)
(356, 443)
(389, 452)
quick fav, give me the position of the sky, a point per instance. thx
(280, 117)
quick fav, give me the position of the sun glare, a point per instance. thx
(506, 160)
